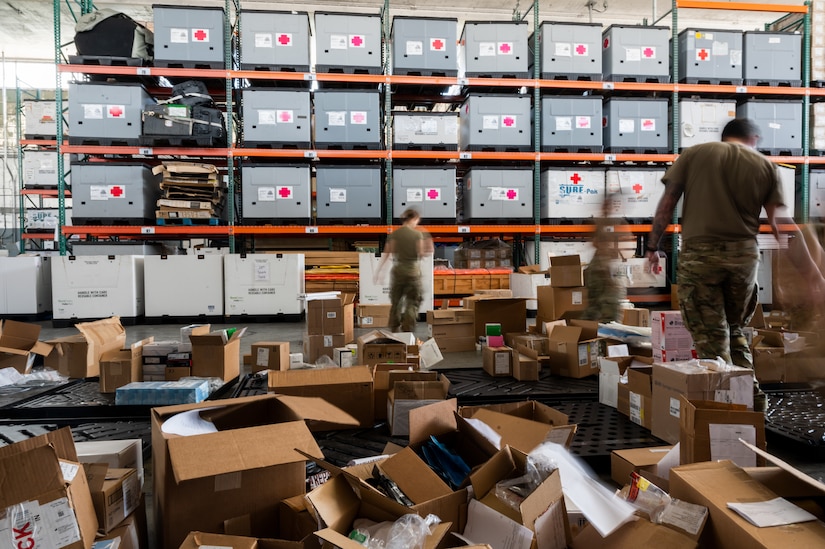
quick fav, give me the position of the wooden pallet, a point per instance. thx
(468, 281)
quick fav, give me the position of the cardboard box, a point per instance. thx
(19, 345)
(331, 316)
(669, 337)
(176, 373)
(510, 312)
(640, 460)
(623, 399)
(379, 346)
(639, 533)
(710, 431)
(373, 316)
(345, 356)
(456, 344)
(523, 425)
(213, 355)
(350, 389)
(696, 380)
(714, 485)
(442, 317)
(48, 493)
(270, 355)
(78, 356)
(636, 317)
(198, 540)
(452, 331)
(247, 466)
(497, 361)
(384, 377)
(575, 349)
(640, 387)
(295, 522)
(404, 396)
(119, 368)
(316, 346)
(185, 345)
(117, 454)
(115, 494)
(525, 365)
(129, 534)
(162, 393)
(554, 302)
(566, 271)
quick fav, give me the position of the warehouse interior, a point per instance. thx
(197, 340)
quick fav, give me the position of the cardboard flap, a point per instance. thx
(335, 503)
(565, 334)
(562, 260)
(547, 493)
(102, 331)
(500, 466)
(414, 477)
(380, 336)
(810, 481)
(197, 540)
(96, 475)
(212, 338)
(61, 440)
(25, 475)
(317, 409)
(18, 335)
(239, 450)
(434, 419)
(590, 328)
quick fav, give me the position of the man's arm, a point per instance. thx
(385, 256)
(664, 213)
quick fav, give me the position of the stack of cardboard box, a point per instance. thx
(452, 329)
(329, 325)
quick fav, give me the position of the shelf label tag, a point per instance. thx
(310, 154)
(741, 89)
(607, 85)
(463, 229)
(309, 76)
(463, 81)
(465, 156)
(144, 71)
(147, 230)
(145, 150)
(610, 158)
(311, 230)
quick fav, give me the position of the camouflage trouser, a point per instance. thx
(718, 296)
(603, 292)
(405, 295)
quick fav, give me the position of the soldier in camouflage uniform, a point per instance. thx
(725, 186)
(406, 245)
(604, 288)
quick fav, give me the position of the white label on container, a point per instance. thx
(505, 48)
(332, 314)
(285, 192)
(584, 354)
(267, 117)
(263, 40)
(687, 516)
(563, 49)
(328, 341)
(564, 124)
(774, 126)
(337, 118)
(415, 195)
(648, 125)
(415, 47)
(432, 194)
(62, 522)
(337, 41)
(627, 125)
(69, 470)
(674, 407)
(736, 58)
(179, 36)
(93, 112)
(261, 270)
(720, 48)
(429, 126)
(266, 194)
(200, 35)
(178, 111)
(632, 54)
(489, 122)
(98, 192)
(228, 481)
(285, 116)
(774, 40)
(577, 298)
(503, 193)
(583, 122)
(509, 121)
(131, 494)
(501, 364)
(486, 49)
(636, 415)
(262, 358)
(358, 118)
(337, 195)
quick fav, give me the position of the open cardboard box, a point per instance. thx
(523, 425)
(406, 395)
(709, 431)
(121, 367)
(248, 465)
(575, 348)
(385, 375)
(19, 344)
(644, 461)
(199, 540)
(510, 312)
(213, 355)
(380, 346)
(78, 356)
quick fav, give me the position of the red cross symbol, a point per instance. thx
(115, 112)
(437, 44)
(505, 47)
(432, 194)
(511, 194)
(200, 35)
(637, 188)
(703, 54)
(358, 117)
(581, 49)
(286, 116)
(575, 179)
(285, 192)
(357, 41)
(649, 52)
(647, 123)
(116, 191)
(284, 39)
(508, 121)
(606, 43)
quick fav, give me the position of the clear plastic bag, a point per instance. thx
(539, 466)
(408, 532)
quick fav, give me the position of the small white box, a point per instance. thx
(346, 356)
(296, 360)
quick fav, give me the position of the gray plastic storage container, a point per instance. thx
(189, 37)
(636, 54)
(348, 43)
(424, 46)
(498, 195)
(275, 40)
(277, 118)
(430, 190)
(429, 131)
(114, 193)
(772, 58)
(636, 125)
(571, 124)
(276, 193)
(106, 114)
(495, 49)
(348, 194)
(710, 56)
(780, 125)
(702, 120)
(496, 122)
(570, 51)
(346, 119)
(572, 193)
